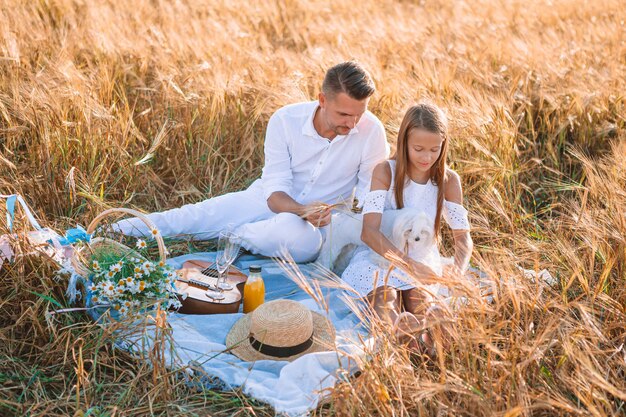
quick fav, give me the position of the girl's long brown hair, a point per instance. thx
(428, 117)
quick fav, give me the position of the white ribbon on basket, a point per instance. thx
(6, 252)
(10, 205)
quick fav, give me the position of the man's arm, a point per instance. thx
(281, 202)
(374, 152)
(278, 177)
(316, 214)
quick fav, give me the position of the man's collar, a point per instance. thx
(309, 129)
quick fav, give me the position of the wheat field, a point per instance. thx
(155, 104)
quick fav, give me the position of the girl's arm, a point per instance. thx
(463, 244)
(371, 234)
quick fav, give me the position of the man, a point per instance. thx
(315, 152)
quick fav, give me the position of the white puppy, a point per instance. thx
(408, 229)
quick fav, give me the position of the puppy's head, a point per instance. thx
(413, 229)
(421, 232)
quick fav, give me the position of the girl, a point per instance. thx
(416, 177)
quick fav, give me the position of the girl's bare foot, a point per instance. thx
(439, 337)
(410, 331)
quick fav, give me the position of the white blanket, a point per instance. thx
(292, 388)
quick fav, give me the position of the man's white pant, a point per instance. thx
(246, 214)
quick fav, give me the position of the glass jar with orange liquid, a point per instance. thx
(254, 290)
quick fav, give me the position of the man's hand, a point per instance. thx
(317, 214)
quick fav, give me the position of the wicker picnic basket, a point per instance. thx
(195, 301)
(103, 243)
(80, 256)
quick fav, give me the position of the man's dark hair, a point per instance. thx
(350, 78)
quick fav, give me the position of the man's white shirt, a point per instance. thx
(310, 168)
(299, 162)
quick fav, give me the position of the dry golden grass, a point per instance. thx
(154, 104)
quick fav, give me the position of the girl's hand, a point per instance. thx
(423, 272)
(452, 271)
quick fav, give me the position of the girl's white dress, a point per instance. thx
(361, 272)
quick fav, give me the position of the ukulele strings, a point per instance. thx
(210, 271)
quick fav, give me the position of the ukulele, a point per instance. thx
(195, 277)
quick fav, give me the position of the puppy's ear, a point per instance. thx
(429, 235)
(400, 232)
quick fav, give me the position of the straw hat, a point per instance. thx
(280, 330)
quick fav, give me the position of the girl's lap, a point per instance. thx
(364, 276)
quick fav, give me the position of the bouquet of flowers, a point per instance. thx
(126, 281)
(123, 278)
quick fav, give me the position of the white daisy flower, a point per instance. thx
(117, 267)
(141, 244)
(109, 288)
